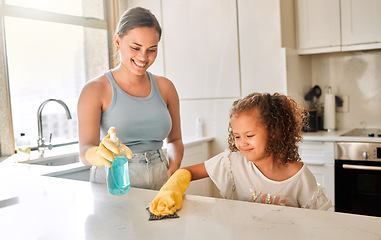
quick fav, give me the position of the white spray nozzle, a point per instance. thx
(113, 136)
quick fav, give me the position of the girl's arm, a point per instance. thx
(198, 171)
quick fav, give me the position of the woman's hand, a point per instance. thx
(172, 170)
(175, 151)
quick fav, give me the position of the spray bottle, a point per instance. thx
(118, 178)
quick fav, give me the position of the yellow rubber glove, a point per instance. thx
(101, 155)
(170, 197)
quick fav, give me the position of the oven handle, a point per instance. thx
(361, 167)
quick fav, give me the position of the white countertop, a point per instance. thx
(335, 136)
(42, 207)
(68, 151)
(54, 208)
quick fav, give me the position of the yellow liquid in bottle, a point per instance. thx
(23, 154)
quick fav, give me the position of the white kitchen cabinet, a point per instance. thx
(338, 25)
(196, 154)
(262, 59)
(320, 159)
(201, 47)
(318, 25)
(197, 151)
(361, 24)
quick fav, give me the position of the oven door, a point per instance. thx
(358, 187)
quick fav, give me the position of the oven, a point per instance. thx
(358, 178)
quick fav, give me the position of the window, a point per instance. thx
(53, 47)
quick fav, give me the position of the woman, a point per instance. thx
(143, 108)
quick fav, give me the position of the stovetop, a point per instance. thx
(364, 132)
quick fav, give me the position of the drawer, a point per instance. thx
(317, 153)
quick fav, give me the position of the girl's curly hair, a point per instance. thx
(281, 116)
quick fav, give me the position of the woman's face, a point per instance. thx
(250, 135)
(138, 49)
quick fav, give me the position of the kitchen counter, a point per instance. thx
(335, 136)
(39, 207)
(67, 151)
(43, 207)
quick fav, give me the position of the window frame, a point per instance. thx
(7, 146)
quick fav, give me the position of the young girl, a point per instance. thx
(262, 164)
(144, 108)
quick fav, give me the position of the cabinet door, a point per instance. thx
(318, 24)
(320, 158)
(201, 47)
(361, 21)
(194, 155)
(263, 61)
(325, 177)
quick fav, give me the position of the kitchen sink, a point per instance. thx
(59, 161)
(62, 162)
(56, 160)
(58, 156)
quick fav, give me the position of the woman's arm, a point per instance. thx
(175, 148)
(89, 110)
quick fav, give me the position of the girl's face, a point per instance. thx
(138, 48)
(250, 135)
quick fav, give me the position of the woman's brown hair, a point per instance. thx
(137, 17)
(281, 116)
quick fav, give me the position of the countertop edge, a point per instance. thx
(10, 161)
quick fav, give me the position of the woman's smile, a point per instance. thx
(139, 64)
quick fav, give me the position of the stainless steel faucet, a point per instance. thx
(41, 141)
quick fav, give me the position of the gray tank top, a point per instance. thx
(141, 123)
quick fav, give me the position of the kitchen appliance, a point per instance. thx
(314, 92)
(358, 177)
(363, 132)
(312, 122)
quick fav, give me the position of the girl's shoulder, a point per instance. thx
(236, 156)
(294, 168)
(300, 172)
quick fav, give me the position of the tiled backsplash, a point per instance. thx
(356, 75)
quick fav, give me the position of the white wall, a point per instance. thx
(215, 52)
(354, 74)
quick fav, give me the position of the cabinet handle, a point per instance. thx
(314, 164)
(361, 167)
(314, 142)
